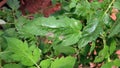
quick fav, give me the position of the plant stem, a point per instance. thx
(105, 44)
(103, 38)
(109, 6)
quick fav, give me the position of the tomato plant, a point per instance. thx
(59, 33)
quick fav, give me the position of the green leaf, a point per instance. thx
(52, 22)
(107, 65)
(5, 55)
(10, 32)
(73, 3)
(12, 66)
(42, 26)
(32, 67)
(90, 32)
(102, 54)
(91, 27)
(106, 19)
(71, 39)
(116, 5)
(67, 62)
(1, 32)
(14, 4)
(64, 49)
(112, 46)
(95, 5)
(115, 28)
(116, 62)
(83, 8)
(22, 52)
(92, 47)
(45, 63)
(85, 50)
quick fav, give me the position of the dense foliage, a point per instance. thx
(67, 34)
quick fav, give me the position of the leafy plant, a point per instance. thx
(84, 33)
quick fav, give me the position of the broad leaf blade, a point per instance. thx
(22, 52)
(102, 54)
(67, 50)
(115, 28)
(67, 62)
(71, 39)
(45, 63)
(14, 4)
(107, 65)
(12, 66)
(90, 32)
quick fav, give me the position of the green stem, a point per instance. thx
(105, 44)
(104, 40)
(109, 6)
(109, 59)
